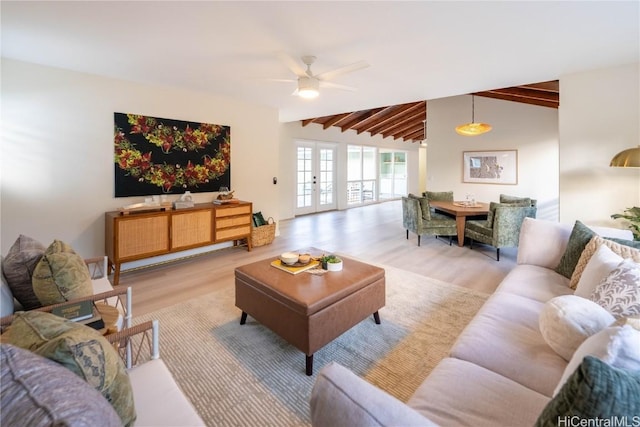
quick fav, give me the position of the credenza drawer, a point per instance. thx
(233, 233)
(235, 210)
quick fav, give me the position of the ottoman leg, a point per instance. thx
(243, 318)
(309, 364)
(376, 317)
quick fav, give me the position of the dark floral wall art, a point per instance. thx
(163, 156)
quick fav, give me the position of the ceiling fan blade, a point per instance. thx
(280, 80)
(292, 64)
(337, 86)
(328, 75)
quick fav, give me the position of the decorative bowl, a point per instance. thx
(304, 259)
(289, 258)
(334, 266)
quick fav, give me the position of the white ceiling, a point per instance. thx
(417, 50)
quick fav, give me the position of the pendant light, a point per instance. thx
(629, 158)
(473, 128)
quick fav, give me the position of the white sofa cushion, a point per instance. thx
(158, 398)
(619, 346)
(505, 338)
(566, 321)
(341, 398)
(536, 234)
(534, 282)
(460, 393)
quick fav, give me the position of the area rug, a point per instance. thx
(245, 375)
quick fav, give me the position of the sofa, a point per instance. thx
(513, 364)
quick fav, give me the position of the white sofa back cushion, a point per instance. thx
(543, 243)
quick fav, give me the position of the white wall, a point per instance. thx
(599, 117)
(531, 130)
(291, 132)
(57, 176)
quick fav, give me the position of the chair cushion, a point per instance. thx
(39, 392)
(18, 267)
(61, 275)
(82, 350)
(447, 196)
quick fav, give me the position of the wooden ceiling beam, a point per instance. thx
(403, 123)
(335, 120)
(407, 131)
(516, 98)
(308, 121)
(361, 117)
(404, 108)
(396, 118)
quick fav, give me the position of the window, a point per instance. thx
(393, 174)
(361, 174)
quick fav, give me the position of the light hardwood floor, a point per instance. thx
(372, 233)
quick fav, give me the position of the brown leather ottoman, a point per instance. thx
(308, 310)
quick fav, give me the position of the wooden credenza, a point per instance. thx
(143, 235)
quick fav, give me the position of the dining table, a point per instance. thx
(461, 210)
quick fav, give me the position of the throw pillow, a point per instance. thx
(82, 350)
(424, 206)
(18, 266)
(595, 391)
(61, 275)
(580, 236)
(624, 248)
(619, 292)
(36, 392)
(615, 345)
(566, 321)
(603, 262)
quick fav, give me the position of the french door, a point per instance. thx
(315, 177)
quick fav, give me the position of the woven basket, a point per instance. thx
(264, 234)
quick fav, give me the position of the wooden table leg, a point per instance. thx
(460, 221)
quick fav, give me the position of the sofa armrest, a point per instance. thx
(339, 397)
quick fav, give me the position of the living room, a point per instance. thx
(57, 143)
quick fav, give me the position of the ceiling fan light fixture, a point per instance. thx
(629, 158)
(308, 87)
(473, 128)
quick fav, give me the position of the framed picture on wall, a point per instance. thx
(490, 167)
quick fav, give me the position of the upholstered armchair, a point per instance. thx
(501, 229)
(418, 218)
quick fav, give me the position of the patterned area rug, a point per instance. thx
(248, 376)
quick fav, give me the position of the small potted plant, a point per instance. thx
(331, 263)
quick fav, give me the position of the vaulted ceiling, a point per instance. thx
(406, 122)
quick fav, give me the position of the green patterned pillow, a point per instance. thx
(595, 391)
(516, 201)
(79, 348)
(61, 275)
(580, 236)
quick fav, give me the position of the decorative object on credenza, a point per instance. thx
(155, 203)
(490, 167)
(473, 128)
(629, 158)
(154, 154)
(331, 262)
(185, 201)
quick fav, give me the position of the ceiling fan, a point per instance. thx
(309, 83)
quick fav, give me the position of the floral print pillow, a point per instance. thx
(619, 292)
